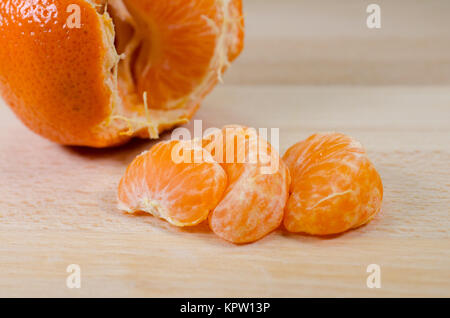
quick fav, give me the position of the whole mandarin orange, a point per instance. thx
(97, 73)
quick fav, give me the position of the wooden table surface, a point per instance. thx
(307, 68)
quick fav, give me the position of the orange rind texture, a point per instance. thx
(85, 86)
(334, 185)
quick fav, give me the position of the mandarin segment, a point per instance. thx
(183, 193)
(334, 185)
(255, 197)
(235, 34)
(180, 47)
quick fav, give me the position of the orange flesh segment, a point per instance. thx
(179, 48)
(334, 185)
(253, 202)
(181, 193)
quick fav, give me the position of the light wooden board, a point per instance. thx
(58, 204)
(327, 42)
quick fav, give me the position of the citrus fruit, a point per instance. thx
(97, 73)
(258, 185)
(334, 185)
(183, 193)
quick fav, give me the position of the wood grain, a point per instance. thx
(58, 204)
(326, 42)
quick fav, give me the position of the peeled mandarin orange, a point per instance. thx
(258, 185)
(334, 185)
(129, 68)
(181, 192)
